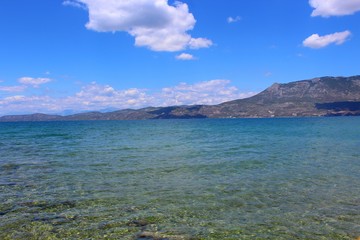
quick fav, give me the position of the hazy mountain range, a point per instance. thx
(325, 96)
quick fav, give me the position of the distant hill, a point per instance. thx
(326, 96)
(30, 118)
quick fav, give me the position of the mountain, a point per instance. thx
(326, 96)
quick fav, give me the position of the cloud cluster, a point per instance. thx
(12, 89)
(207, 92)
(328, 8)
(316, 41)
(25, 83)
(20, 104)
(95, 96)
(34, 82)
(153, 23)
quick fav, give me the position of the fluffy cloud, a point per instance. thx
(25, 82)
(233, 19)
(196, 43)
(95, 96)
(208, 92)
(153, 23)
(316, 41)
(12, 99)
(20, 104)
(91, 97)
(185, 57)
(35, 82)
(327, 8)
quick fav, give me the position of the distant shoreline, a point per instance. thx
(326, 96)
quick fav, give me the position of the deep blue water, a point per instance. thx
(296, 178)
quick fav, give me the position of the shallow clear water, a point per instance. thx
(181, 179)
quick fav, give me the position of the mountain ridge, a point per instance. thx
(324, 96)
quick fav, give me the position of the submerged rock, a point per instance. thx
(160, 236)
(44, 205)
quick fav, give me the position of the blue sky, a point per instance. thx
(64, 56)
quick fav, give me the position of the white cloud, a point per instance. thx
(316, 41)
(35, 82)
(196, 43)
(233, 19)
(19, 88)
(185, 57)
(91, 97)
(153, 23)
(20, 104)
(16, 98)
(328, 8)
(208, 92)
(74, 4)
(95, 96)
(25, 81)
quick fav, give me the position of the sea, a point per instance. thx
(282, 178)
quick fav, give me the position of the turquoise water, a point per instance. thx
(181, 179)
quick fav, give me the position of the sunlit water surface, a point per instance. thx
(181, 179)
